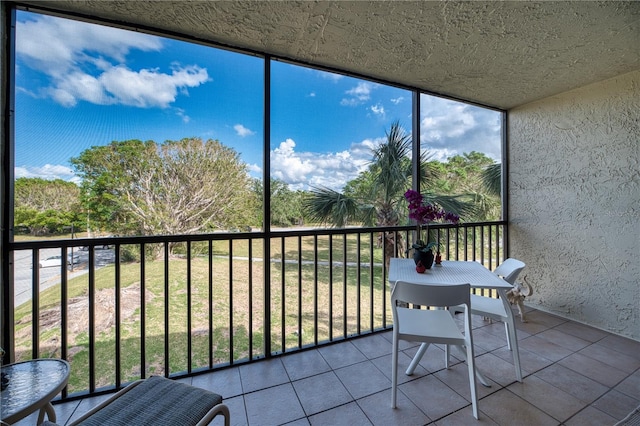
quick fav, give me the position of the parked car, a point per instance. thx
(50, 261)
(57, 261)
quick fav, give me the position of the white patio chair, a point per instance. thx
(495, 309)
(509, 270)
(431, 326)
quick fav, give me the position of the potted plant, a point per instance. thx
(424, 213)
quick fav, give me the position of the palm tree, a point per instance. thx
(492, 179)
(381, 203)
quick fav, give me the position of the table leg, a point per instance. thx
(416, 359)
(51, 413)
(421, 351)
(479, 374)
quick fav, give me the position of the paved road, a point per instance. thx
(50, 276)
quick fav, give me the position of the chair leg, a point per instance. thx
(472, 381)
(513, 339)
(394, 371)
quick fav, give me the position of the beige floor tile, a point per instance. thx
(582, 331)
(64, 411)
(590, 417)
(321, 392)
(373, 346)
(496, 369)
(363, 379)
(549, 320)
(345, 415)
(616, 404)
(237, 410)
(433, 397)
(299, 422)
(262, 374)
(384, 365)
(606, 354)
(621, 344)
(594, 369)
(631, 385)
(304, 364)
(563, 339)
(433, 359)
(273, 406)
(506, 408)
(88, 404)
(377, 408)
(341, 355)
(529, 362)
(465, 417)
(550, 399)
(457, 378)
(544, 348)
(572, 382)
(223, 382)
(488, 341)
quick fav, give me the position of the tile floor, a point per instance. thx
(573, 375)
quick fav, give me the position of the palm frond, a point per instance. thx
(460, 204)
(393, 165)
(331, 207)
(492, 179)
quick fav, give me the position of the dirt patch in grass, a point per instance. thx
(78, 313)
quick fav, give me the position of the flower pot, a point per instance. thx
(425, 258)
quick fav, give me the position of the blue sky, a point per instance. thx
(80, 85)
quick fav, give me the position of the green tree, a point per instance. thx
(41, 194)
(375, 198)
(286, 205)
(177, 187)
(466, 174)
(46, 206)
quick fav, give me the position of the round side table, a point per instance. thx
(32, 386)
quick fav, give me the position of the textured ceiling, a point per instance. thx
(500, 54)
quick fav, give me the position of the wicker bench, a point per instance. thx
(156, 401)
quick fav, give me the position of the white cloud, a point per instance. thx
(451, 128)
(330, 76)
(48, 171)
(301, 170)
(55, 45)
(359, 94)
(86, 62)
(378, 109)
(398, 100)
(180, 113)
(243, 131)
(254, 168)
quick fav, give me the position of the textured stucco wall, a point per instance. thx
(574, 186)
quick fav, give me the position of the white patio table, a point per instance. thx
(452, 272)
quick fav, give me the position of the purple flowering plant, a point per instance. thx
(424, 213)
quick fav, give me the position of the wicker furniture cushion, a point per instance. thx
(156, 401)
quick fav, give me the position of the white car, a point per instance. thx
(50, 261)
(57, 261)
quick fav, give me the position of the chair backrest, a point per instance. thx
(510, 269)
(436, 295)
